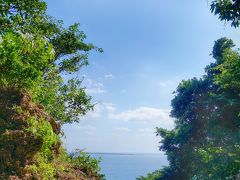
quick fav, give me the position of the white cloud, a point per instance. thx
(154, 116)
(100, 109)
(147, 130)
(163, 84)
(142, 113)
(109, 76)
(90, 130)
(122, 129)
(169, 83)
(145, 114)
(93, 87)
(96, 112)
(110, 107)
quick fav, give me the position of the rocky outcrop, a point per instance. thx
(18, 146)
(30, 148)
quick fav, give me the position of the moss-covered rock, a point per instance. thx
(30, 147)
(17, 145)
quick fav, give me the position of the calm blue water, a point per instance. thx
(129, 166)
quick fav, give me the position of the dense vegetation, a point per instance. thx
(205, 141)
(36, 53)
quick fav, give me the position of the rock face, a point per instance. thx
(18, 146)
(30, 148)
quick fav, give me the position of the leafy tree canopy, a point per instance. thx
(37, 52)
(227, 10)
(39, 91)
(205, 141)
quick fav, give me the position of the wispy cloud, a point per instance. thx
(108, 76)
(142, 114)
(146, 130)
(122, 129)
(101, 109)
(90, 130)
(163, 83)
(110, 107)
(96, 112)
(93, 87)
(173, 82)
(145, 114)
(154, 116)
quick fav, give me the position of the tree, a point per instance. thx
(227, 10)
(36, 54)
(42, 53)
(205, 141)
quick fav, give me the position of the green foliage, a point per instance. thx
(89, 165)
(71, 99)
(204, 143)
(23, 59)
(36, 53)
(229, 71)
(228, 10)
(66, 166)
(154, 175)
(42, 169)
(24, 15)
(43, 129)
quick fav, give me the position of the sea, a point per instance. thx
(117, 166)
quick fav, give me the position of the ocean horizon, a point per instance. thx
(129, 166)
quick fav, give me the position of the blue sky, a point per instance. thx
(149, 47)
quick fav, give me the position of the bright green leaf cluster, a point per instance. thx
(204, 143)
(23, 60)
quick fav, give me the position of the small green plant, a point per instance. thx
(87, 163)
(44, 167)
(37, 53)
(152, 176)
(42, 128)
